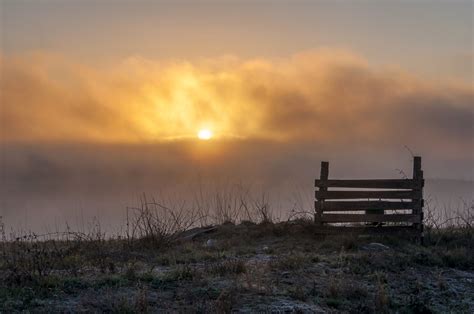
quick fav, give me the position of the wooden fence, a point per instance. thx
(370, 206)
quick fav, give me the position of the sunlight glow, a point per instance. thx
(204, 134)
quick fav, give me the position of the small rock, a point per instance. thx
(210, 243)
(375, 247)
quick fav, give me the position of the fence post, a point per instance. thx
(320, 203)
(418, 208)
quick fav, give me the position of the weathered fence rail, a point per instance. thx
(372, 206)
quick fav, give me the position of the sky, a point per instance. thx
(429, 37)
(108, 97)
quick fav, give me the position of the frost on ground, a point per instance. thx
(242, 268)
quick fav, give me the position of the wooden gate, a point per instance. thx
(370, 206)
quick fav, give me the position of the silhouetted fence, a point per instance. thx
(370, 206)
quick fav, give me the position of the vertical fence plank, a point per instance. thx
(319, 205)
(416, 166)
(418, 208)
(416, 177)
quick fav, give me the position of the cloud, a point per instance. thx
(322, 96)
(324, 99)
(104, 134)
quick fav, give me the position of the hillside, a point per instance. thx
(248, 267)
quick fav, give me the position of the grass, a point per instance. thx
(254, 266)
(226, 267)
(291, 262)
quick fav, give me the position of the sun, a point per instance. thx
(204, 134)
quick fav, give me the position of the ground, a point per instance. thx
(245, 268)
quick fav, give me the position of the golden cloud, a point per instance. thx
(321, 96)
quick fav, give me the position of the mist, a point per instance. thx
(79, 142)
(45, 186)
